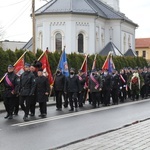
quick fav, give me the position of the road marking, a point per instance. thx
(75, 114)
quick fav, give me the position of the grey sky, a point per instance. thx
(16, 22)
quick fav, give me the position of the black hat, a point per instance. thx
(10, 66)
(58, 68)
(27, 65)
(40, 69)
(72, 69)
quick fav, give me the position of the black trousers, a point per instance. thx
(32, 104)
(25, 102)
(43, 108)
(106, 94)
(95, 98)
(115, 94)
(73, 99)
(16, 105)
(58, 99)
(9, 104)
(81, 98)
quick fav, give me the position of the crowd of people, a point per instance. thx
(97, 86)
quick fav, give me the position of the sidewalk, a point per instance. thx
(49, 103)
(133, 137)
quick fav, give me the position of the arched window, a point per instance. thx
(80, 43)
(58, 42)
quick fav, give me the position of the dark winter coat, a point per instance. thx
(59, 82)
(8, 89)
(72, 84)
(27, 84)
(42, 86)
(92, 84)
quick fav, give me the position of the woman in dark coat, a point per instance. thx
(42, 92)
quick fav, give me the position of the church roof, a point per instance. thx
(28, 45)
(130, 52)
(89, 7)
(110, 47)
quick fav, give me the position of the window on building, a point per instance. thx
(80, 43)
(58, 42)
(144, 54)
(137, 53)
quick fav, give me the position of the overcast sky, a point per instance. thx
(16, 23)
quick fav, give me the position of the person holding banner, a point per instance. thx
(10, 83)
(95, 87)
(27, 89)
(59, 83)
(82, 80)
(42, 92)
(72, 87)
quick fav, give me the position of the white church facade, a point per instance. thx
(83, 26)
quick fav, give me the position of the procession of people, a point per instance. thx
(98, 87)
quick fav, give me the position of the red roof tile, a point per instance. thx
(142, 43)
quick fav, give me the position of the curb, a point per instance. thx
(48, 104)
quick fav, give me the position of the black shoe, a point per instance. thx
(15, 114)
(43, 116)
(32, 115)
(71, 109)
(40, 115)
(10, 117)
(25, 118)
(59, 109)
(6, 116)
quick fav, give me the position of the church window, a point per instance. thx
(58, 42)
(80, 43)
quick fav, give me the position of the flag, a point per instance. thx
(109, 64)
(94, 62)
(46, 67)
(19, 65)
(63, 64)
(84, 65)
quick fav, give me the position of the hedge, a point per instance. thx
(74, 60)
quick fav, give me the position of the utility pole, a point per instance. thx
(33, 26)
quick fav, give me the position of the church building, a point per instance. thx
(83, 26)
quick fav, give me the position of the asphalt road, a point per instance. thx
(60, 128)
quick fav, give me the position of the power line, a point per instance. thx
(13, 21)
(11, 4)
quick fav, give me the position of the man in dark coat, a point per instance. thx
(42, 92)
(107, 86)
(95, 86)
(72, 87)
(10, 83)
(82, 80)
(115, 86)
(59, 83)
(27, 89)
(33, 98)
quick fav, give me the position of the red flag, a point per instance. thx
(19, 65)
(108, 64)
(46, 67)
(94, 62)
(84, 65)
